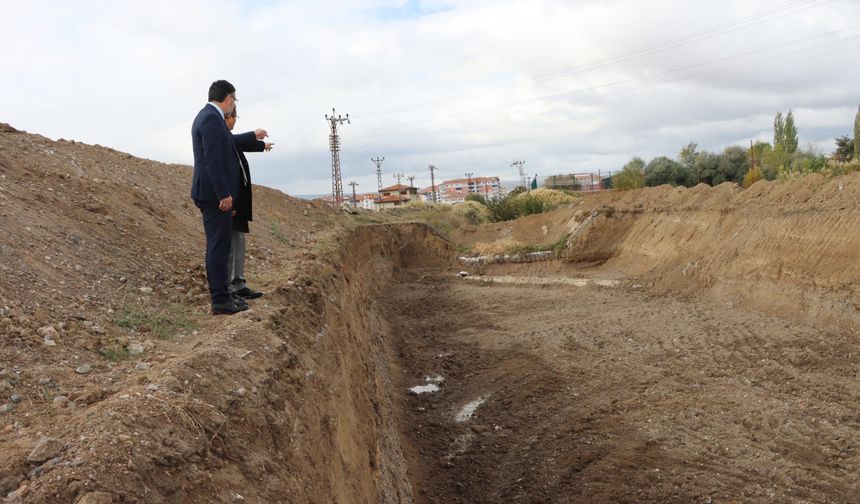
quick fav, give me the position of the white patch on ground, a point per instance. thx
(431, 384)
(466, 412)
(576, 282)
(424, 389)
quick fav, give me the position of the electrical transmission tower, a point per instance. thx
(433, 183)
(378, 161)
(354, 199)
(398, 176)
(519, 165)
(411, 180)
(334, 146)
(469, 176)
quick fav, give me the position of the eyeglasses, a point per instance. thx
(234, 97)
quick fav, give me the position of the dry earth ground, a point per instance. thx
(721, 368)
(613, 395)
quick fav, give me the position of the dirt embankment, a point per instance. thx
(117, 386)
(786, 248)
(110, 363)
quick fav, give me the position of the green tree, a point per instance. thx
(844, 149)
(790, 134)
(707, 166)
(778, 130)
(662, 170)
(502, 208)
(775, 161)
(752, 176)
(809, 161)
(632, 176)
(734, 164)
(478, 198)
(857, 135)
(761, 151)
(687, 158)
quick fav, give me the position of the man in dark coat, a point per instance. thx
(251, 141)
(214, 189)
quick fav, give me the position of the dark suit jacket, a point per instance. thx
(216, 162)
(245, 142)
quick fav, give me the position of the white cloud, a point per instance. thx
(466, 85)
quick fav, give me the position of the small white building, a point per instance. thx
(395, 195)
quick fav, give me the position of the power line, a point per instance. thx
(519, 165)
(354, 198)
(589, 88)
(433, 192)
(334, 146)
(360, 146)
(769, 62)
(768, 15)
(402, 127)
(378, 162)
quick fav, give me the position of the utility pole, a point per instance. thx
(469, 177)
(354, 199)
(398, 176)
(334, 146)
(519, 165)
(411, 180)
(433, 183)
(378, 161)
(752, 155)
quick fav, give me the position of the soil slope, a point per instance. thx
(117, 386)
(785, 248)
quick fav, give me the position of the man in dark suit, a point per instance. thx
(215, 186)
(251, 141)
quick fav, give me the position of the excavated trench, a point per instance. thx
(692, 345)
(450, 390)
(376, 374)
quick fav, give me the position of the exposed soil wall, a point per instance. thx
(786, 248)
(289, 402)
(591, 395)
(295, 407)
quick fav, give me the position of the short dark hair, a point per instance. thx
(220, 90)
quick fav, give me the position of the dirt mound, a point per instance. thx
(106, 345)
(782, 247)
(626, 382)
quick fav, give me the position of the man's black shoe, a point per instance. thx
(248, 293)
(228, 308)
(241, 303)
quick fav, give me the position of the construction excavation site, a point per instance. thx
(676, 346)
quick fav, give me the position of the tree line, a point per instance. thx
(762, 160)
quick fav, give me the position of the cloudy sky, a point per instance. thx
(469, 86)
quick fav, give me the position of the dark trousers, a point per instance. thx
(217, 225)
